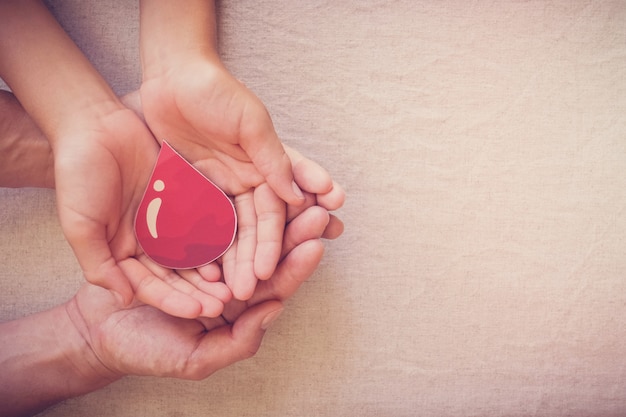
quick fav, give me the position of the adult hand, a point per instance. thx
(141, 340)
(93, 340)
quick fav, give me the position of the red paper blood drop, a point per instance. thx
(183, 220)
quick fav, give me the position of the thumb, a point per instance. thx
(274, 164)
(230, 344)
(100, 267)
(109, 275)
(260, 141)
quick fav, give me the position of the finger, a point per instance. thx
(210, 295)
(330, 201)
(111, 277)
(98, 264)
(89, 224)
(216, 289)
(228, 173)
(309, 175)
(308, 225)
(239, 262)
(301, 244)
(333, 199)
(210, 272)
(316, 180)
(302, 254)
(289, 275)
(260, 141)
(294, 269)
(229, 344)
(334, 229)
(294, 211)
(271, 217)
(153, 291)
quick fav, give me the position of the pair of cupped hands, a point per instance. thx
(283, 202)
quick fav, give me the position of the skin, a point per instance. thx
(103, 155)
(25, 155)
(190, 98)
(102, 159)
(94, 339)
(154, 321)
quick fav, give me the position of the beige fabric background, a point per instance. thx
(483, 268)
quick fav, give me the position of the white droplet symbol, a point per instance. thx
(153, 209)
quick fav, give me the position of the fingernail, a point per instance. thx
(270, 318)
(297, 190)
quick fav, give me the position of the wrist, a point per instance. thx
(164, 62)
(90, 115)
(45, 360)
(35, 47)
(173, 32)
(88, 371)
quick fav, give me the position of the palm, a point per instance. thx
(300, 254)
(211, 119)
(226, 132)
(222, 128)
(141, 340)
(99, 182)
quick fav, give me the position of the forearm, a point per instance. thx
(44, 360)
(47, 72)
(25, 155)
(172, 30)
